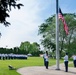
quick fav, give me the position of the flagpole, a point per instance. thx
(57, 37)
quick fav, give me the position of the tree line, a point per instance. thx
(25, 48)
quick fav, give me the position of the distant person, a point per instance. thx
(44, 59)
(74, 60)
(46, 62)
(66, 62)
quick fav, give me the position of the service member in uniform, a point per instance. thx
(66, 62)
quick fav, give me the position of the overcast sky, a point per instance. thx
(25, 22)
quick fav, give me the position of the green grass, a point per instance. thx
(71, 64)
(31, 61)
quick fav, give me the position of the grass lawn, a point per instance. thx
(31, 61)
(71, 64)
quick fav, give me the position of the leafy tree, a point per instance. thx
(35, 48)
(47, 30)
(5, 8)
(27, 47)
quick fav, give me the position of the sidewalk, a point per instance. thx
(40, 70)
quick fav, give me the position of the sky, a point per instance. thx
(26, 21)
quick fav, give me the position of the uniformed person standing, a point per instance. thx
(44, 59)
(66, 62)
(46, 62)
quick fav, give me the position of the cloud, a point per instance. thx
(24, 25)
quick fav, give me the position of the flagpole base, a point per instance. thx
(57, 69)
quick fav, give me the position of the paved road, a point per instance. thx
(40, 70)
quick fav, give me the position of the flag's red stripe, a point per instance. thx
(63, 20)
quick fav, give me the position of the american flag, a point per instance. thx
(64, 22)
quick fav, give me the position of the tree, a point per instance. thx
(5, 8)
(35, 49)
(47, 30)
(26, 47)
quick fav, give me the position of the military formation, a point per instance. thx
(12, 56)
